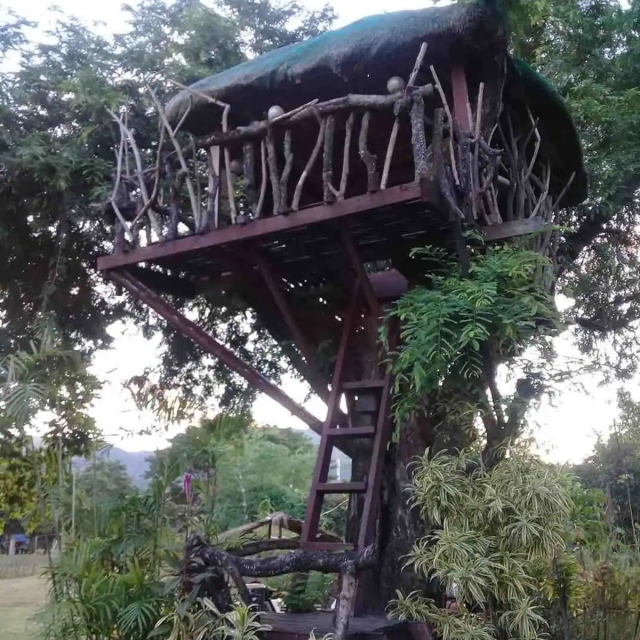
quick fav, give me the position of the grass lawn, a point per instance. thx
(20, 599)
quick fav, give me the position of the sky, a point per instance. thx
(565, 428)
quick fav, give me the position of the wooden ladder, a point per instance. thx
(367, 418)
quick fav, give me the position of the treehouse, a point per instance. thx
(300, 182)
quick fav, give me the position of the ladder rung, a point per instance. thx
(352, 432)
(327, 546)
(363, 384)
(341, 487)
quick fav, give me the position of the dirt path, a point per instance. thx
(20, 599)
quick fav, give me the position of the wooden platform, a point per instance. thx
(298, 626)
(298, 242)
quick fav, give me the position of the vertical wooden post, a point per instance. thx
(345, 604)
(370, 161)
(286, 172)
(119, 242)
(214, 153)
(460, 98)
(327, 161)
(272, 161)
(249, 175)
(418, 138)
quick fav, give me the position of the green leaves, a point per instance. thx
(449, 325)
(493, 528)
(57, 160)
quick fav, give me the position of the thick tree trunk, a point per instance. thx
(400, 526)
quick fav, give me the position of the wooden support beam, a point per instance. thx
(374, 479)
(361, 274)
(300, 340)
(514, 228)
(213, 347)
(460, 98)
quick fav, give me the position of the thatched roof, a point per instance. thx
(360, 57)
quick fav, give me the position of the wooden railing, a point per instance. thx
(477, 164)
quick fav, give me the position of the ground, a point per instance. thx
(22, 593)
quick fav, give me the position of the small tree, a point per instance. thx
(493, 529)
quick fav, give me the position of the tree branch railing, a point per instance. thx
(214, 570)
(488, 175)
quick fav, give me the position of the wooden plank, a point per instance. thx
(352, 432)
(460, 97)
(514, 228)
(263, 226)
(363, 384)
(212, 346)
(341, 487)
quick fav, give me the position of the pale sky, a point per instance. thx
(565, 430)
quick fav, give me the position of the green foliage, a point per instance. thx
(109, 581)
(454, 326)
(305, 592)
(493, 527)
(614, 467)
(239, 471)
(57, 162)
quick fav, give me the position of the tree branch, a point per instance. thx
(294, 562)
(262, 546)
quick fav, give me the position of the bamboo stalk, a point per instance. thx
(312, 159)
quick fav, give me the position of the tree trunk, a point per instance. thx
(400, 526)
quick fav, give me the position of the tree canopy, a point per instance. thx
(57, 161)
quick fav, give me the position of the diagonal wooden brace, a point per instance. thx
(212, 346)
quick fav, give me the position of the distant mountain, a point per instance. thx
(135, 462)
